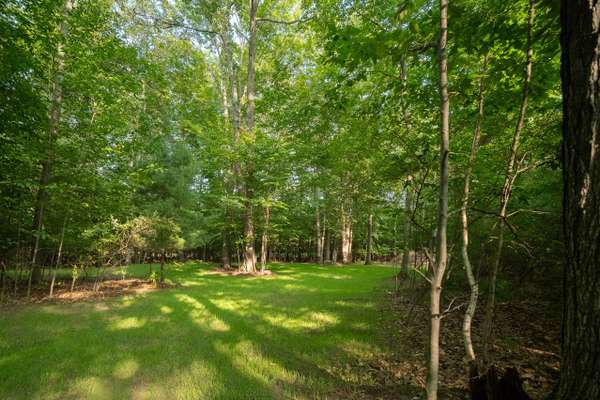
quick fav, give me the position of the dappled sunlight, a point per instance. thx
(126, 369)
(201, 316)
(127, 323)
(295, 286)
(166, 310)
(196, 381)
(359, 349)
(218, 325)
(247, 357)
(230, 337)
(308, 321)
(92, 388)
(237, 305)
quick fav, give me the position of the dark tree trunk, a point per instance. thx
(327, 245)
(580, 66)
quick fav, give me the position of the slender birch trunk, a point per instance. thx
(442, 250)
(509, 179)
(473, 284)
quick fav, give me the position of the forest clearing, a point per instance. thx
(300, 199)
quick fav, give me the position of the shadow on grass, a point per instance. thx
(297, 334)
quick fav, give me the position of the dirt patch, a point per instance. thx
(83, 291)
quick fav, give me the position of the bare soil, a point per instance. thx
(527, 330)
(84, 290)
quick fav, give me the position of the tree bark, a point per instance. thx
(249, 263)
(407, 229)
(509, 179)
(327, 244)
(369, 257)
(53, 128)
(264, 249)
(580, 66)
(473, 284)
(162, 266)
(320, 238)
(225, 248)
(334, 251)
(441, 251)
(58, 256)
(346, 235)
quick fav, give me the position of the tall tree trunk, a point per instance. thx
(509, 179)
(441, 251)
(580, 40)
(264, 246)
(225, 249)
(320, 238)
(231, 106)
(162, 266)
(249, 263)
(53, 127)
(334, 251)
(473, 284)
(346, 236)
(369, 257)
(407, 229)
(327, 245)
(2, 280)
(58, 256)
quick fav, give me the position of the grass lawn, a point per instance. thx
(289, 335)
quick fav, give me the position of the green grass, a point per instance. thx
(211, 337)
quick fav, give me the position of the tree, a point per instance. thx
(162, 236)
(473, 284)
(441, 248)
(512, 172)
(580, 364)
(54, 121)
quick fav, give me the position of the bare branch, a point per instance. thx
(451, 309)
(528, 211)
(418, 271)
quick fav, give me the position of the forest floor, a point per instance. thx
(304, 332)
(527, 331)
